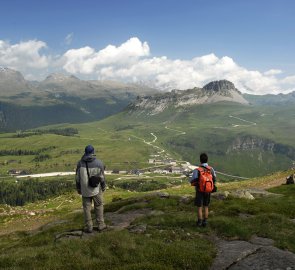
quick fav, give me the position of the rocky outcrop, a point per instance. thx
(258, 254)
(213, 92)
(241, 143)
(220, 86)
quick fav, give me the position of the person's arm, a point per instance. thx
(195, 176)
(102, 182)
(77, 178)
(213, 176)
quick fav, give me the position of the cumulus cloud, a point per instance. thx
(23, 55)
(132, 61)
(273, 72)
(86, 60)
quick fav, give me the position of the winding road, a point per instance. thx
(161, 151)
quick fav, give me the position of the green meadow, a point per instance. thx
(170, 228)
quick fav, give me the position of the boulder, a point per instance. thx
(260, 193)
(163, 194)
(256, 240)
(139, 229)
(290, 179)
(242, 255)
(186, 199)
(220, 195)
(242, 194)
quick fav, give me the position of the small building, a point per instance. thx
(18, 172)
(176, 169)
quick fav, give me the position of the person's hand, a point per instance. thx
(214, 189)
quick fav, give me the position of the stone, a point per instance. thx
(242, 255)
(266, 258)
(68, 235)
(256, 240)
(230, 252)
(260, 193)
(156, 213)
(186, 199)
(220, 195)
(163, 195)
(245, 215)
(139, 229)
(53, 224)
(242, 194)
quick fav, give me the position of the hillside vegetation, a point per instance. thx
(168, 222)
(241, 140)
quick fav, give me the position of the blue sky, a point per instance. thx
(257, 35)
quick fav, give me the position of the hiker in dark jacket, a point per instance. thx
(202, 199)
(89, 194)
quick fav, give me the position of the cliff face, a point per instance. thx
(251, 143)
(213, 92)
(220, 86)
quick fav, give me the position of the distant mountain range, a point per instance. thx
(60, 98)
(242, 137)
(64, 98)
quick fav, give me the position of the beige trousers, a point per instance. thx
(98, 211)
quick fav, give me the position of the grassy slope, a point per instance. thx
(182, 245)
(113, 148)
(119, 140)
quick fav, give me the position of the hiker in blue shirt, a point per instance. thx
(202, 199)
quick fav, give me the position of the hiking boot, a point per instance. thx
(87, 231)
(102, 227)
(204, 223)
(199, 223)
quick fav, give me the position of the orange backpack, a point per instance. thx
(205, 179)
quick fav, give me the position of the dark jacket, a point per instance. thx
(95, 167)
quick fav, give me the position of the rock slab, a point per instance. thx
(258, 255)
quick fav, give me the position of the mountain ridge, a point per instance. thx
(212, 92)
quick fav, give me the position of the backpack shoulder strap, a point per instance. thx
(200, 169)
(207, 168)
(87, 169)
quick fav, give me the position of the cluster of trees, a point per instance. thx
(139, 185)
(41, 157)
(57, 131)
(19, 193)
(24, 152)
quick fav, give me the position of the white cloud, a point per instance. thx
(273, 72)
(289, 80)
(69, 39)
(86, 60)
(131, 61)
(23, 55)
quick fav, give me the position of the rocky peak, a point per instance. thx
(218, 86)
(59, 77)
(7, 74)
(216, 91)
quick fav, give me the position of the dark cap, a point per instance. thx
(89, 149)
